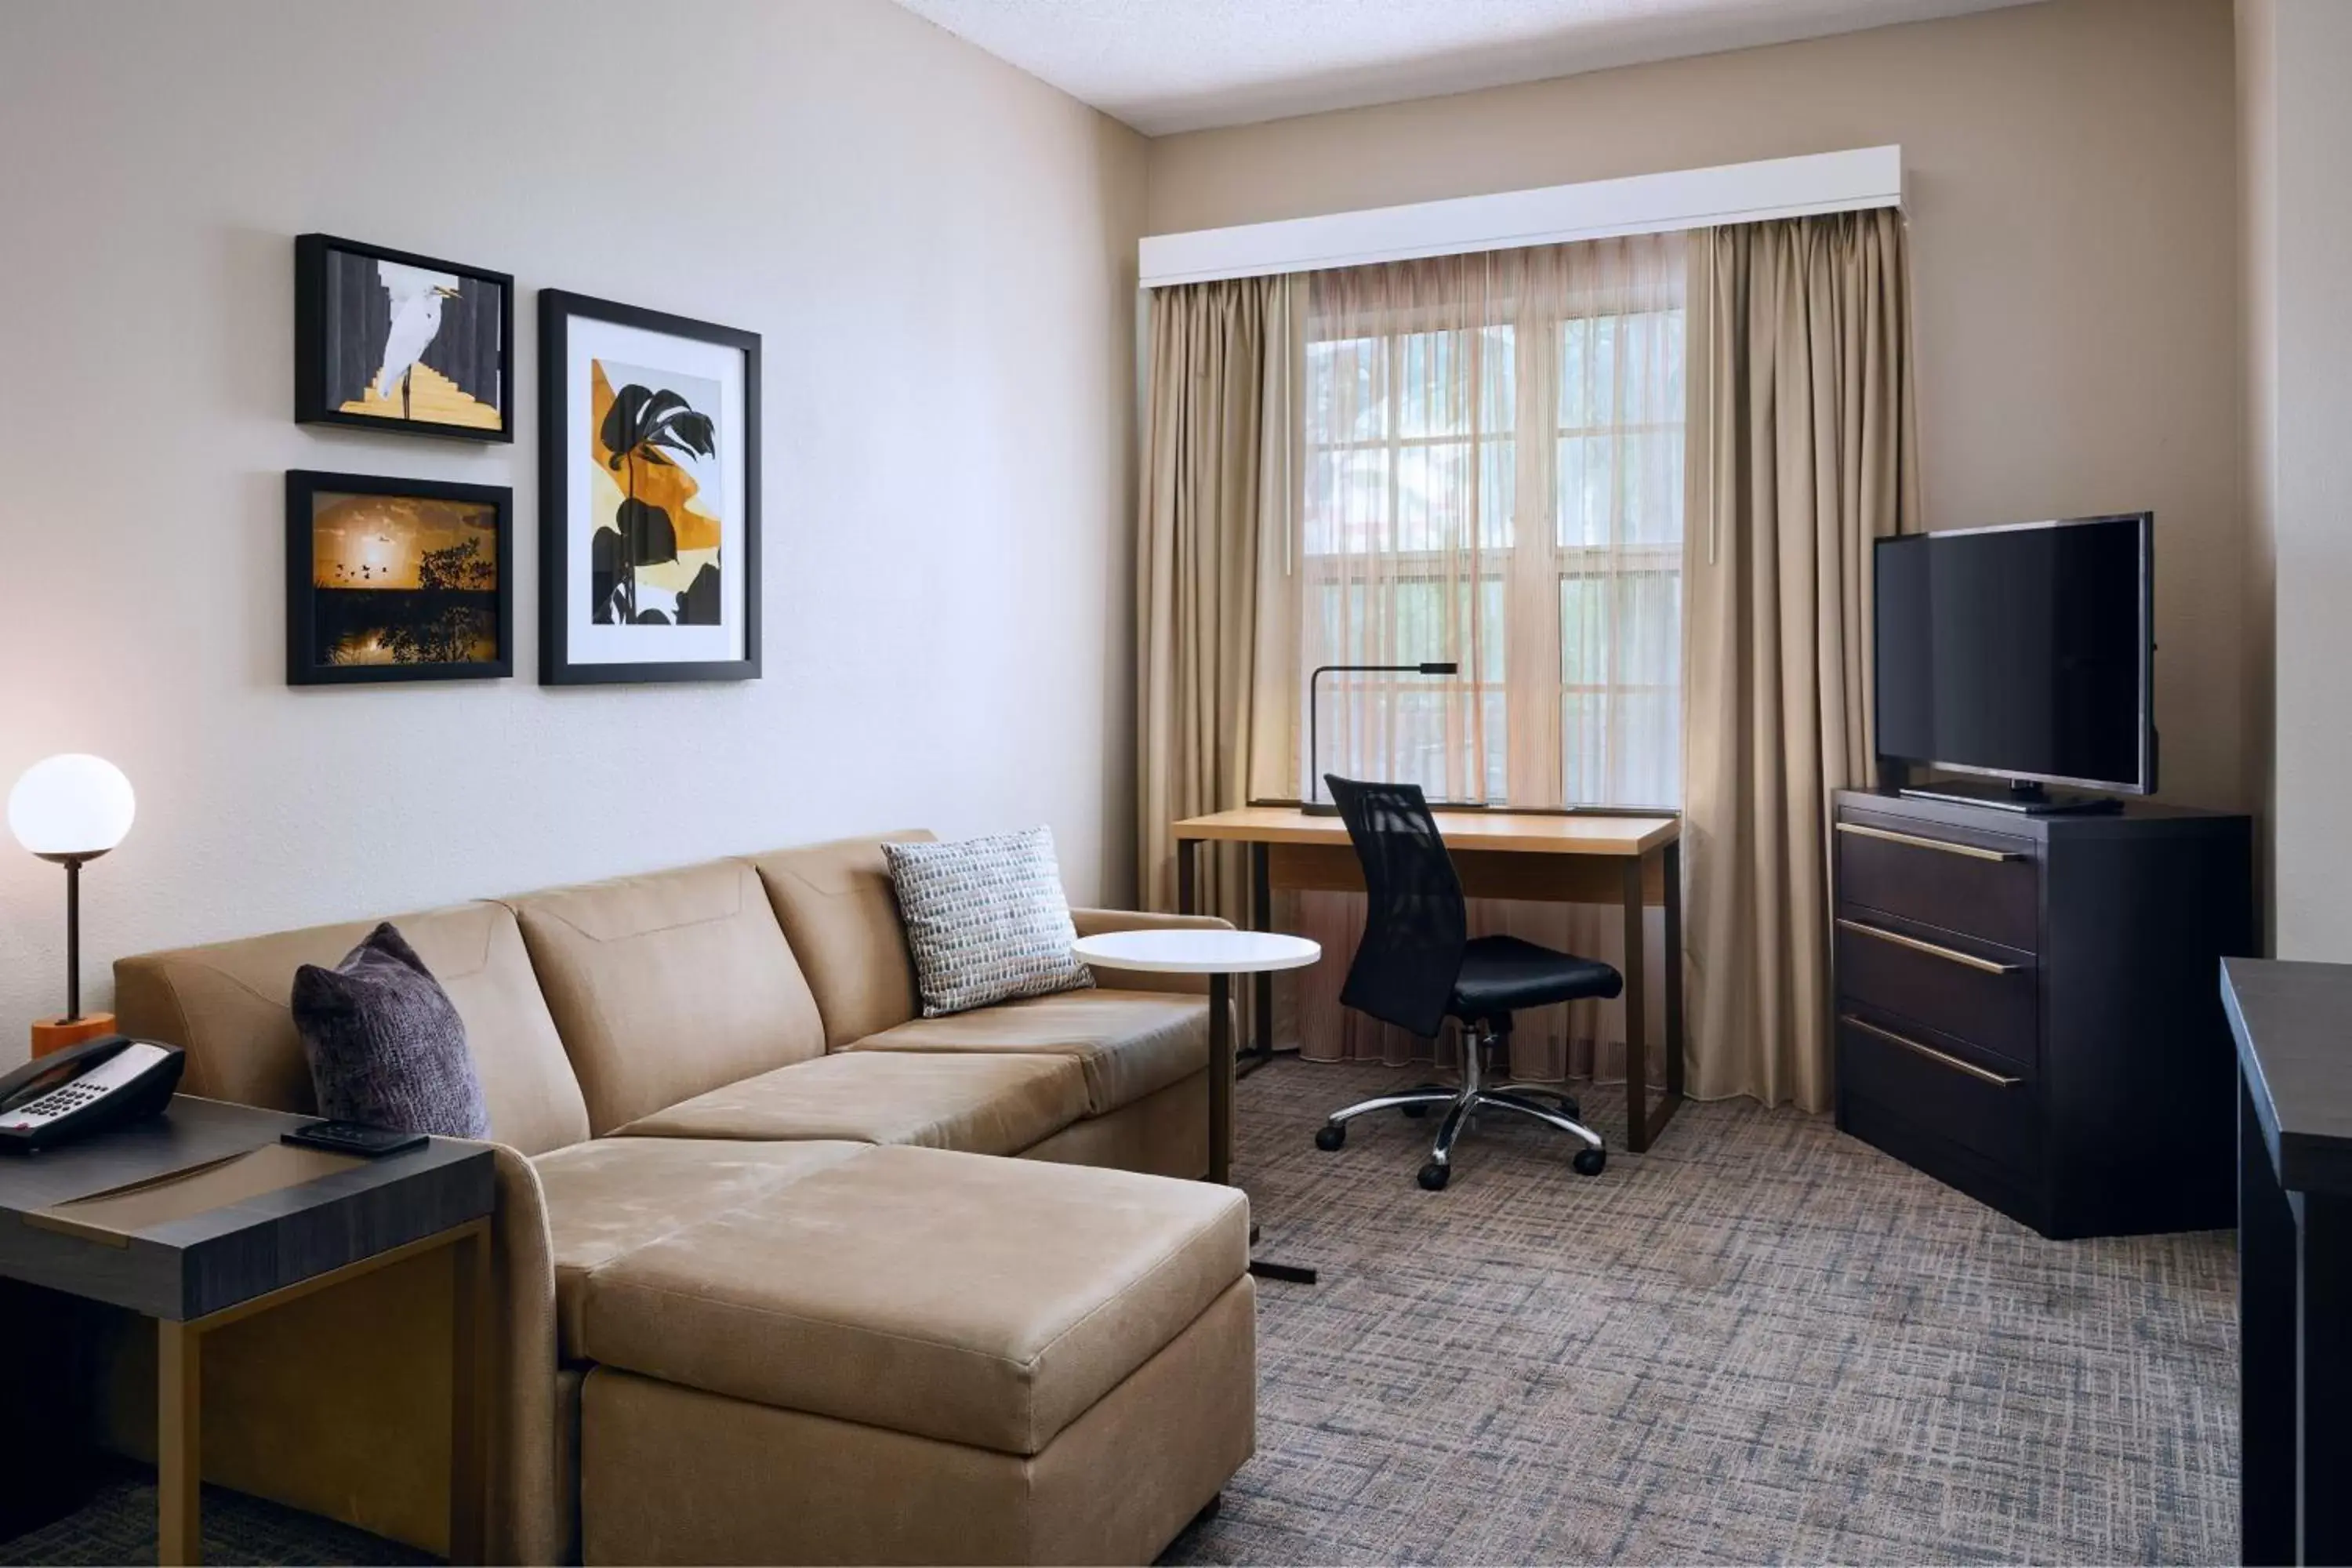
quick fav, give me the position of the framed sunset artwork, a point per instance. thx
(649, 495)
(390, 580)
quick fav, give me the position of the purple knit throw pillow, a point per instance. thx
(385, 1045)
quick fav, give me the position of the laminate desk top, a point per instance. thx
(1527, 833)
(2292, 1022)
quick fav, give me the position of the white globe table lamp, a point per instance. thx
(70, 809)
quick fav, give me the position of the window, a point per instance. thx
(1548, 566)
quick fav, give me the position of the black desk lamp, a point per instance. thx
(1314, 807)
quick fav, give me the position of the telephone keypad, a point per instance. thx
(57, 1101)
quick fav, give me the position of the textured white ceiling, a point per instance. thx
(1165, 66)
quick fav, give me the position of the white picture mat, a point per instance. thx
(588, 340)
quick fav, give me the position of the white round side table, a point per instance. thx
(1219, 954)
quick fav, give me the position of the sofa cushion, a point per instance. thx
(666, 985)
(607, 1197)
(1129, 1043)
(229, 1006)
(835, 903)
(981, 1301)
(984, 1104)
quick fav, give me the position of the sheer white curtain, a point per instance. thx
(1490, 471)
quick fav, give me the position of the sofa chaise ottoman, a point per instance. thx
(994, 1360)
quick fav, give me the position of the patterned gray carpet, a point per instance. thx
(118, 1525)
(1760, 1342)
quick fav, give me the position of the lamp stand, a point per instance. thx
(56, 1034)
(1314, 805)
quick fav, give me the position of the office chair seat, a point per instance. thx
(1502, 973)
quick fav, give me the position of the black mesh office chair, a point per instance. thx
(1417, 966)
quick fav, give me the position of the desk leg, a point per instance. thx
(1188, 899)
(2266, 1356)
(1262, 919)
(1637, 1014)
(179, 1456)
(1221, 1080)
(469, 1394)
(2323, 1338)
(1260, 1049)
(1676, 1053)
(1644, 1121)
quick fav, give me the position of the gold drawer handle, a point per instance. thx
(1933, 949)
(1916, 841)
(1999, 1080)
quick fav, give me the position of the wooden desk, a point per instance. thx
(2294, 1258)
(1577, 857)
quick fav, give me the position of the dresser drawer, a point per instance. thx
(1942, 1087)
(1971, 990)
(1983, 886)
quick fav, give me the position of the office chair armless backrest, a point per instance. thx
(1415, 926)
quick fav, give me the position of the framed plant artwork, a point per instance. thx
(385, 339)
(649, 495)
(397, 579)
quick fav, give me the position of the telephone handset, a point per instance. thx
(86, 1088)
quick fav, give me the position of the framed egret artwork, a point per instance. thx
(397, 579)
(648, 495)
(385, 339)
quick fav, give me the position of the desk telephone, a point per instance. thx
(86, 1088)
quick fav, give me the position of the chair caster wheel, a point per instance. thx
(1590, 1162)
(1330, 1136)
(1415, 1111)
(1433, 1177)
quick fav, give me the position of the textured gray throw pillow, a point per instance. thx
(385, 1045)
(986, 919)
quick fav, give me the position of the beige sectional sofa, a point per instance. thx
(770, 1289)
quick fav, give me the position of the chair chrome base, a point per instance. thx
(1462, 1104)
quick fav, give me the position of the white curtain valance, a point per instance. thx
(1666, 203)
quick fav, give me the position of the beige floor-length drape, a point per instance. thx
(1219, 467)
(1803, 449)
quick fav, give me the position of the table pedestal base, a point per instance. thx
(1266, 1269)
(1220, 1120)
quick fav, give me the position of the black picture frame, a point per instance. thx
(305, 665)
(558, 310)
(327, 364)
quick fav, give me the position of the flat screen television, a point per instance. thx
(2024, 654)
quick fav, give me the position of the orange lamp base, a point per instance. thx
(56, 1034)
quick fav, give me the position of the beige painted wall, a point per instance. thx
(2072, 172)
(938, 249)
(2299, 448)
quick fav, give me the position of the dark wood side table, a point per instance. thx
(2293, 1028)
(200, 1217)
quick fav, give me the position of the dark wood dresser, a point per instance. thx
(2028, 1006)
